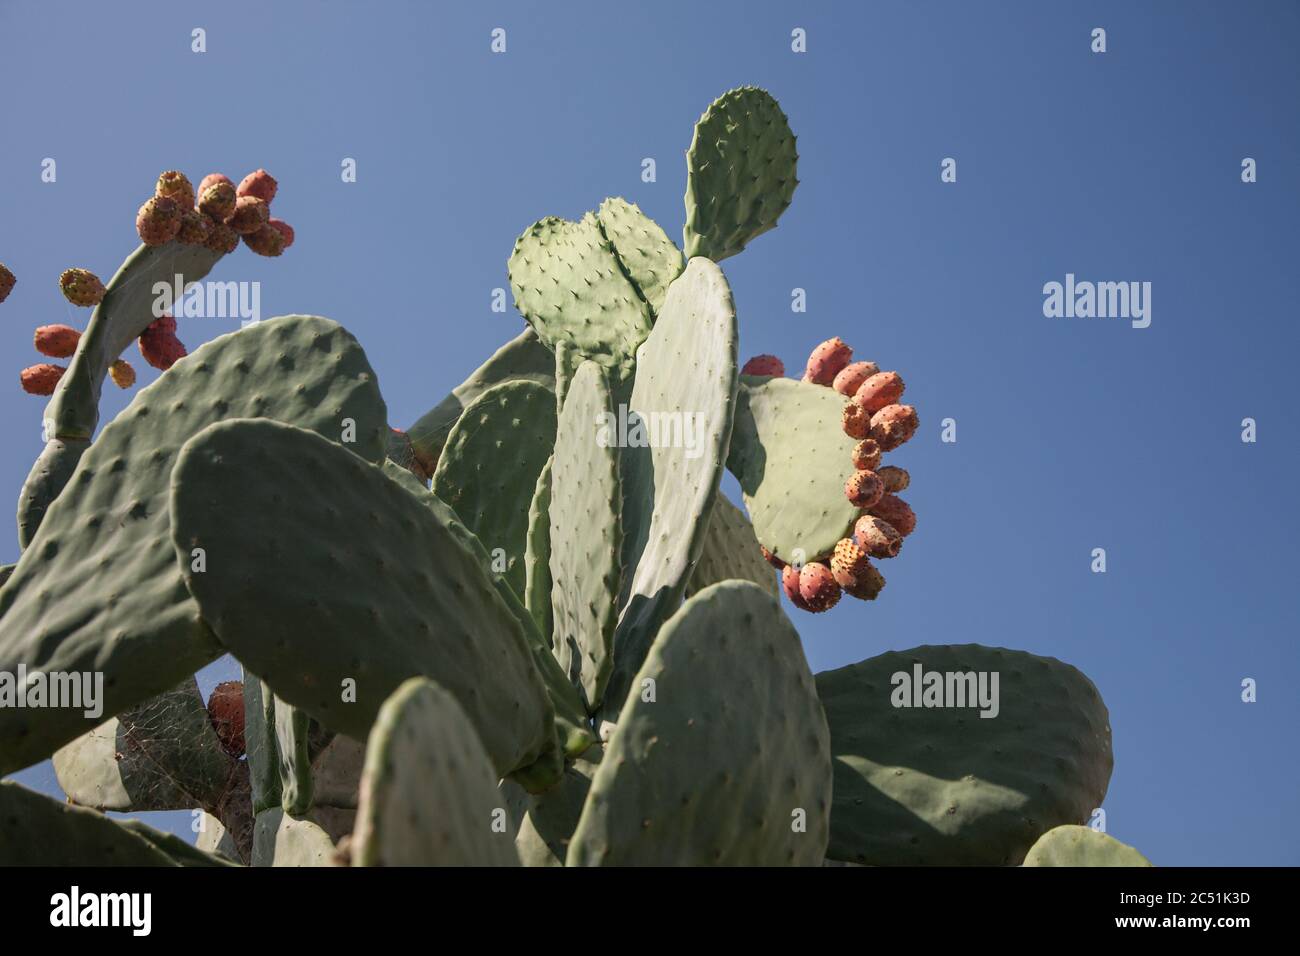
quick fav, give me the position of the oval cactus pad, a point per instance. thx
(1075, 845)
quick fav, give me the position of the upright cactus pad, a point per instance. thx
(648, 256)
(291, 729)
(939, 784)
(722, 756)
(740, 173)
(537, 559)
(544, 823)
(428, 792)
(1074, 845)
(731, 552)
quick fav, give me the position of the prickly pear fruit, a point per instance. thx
(267, 241)
(176, 187)
(7, 281)
(221, 238)
(250, 215)
(817, 587)
(864, 488)
(866, 454)
(218, 200)
(790, 585)
(897, 512)
(259, 184)
(772, 559)
(877, 537)
(158, 221)
(893, 425)
(283, 228)
(849, 564)
(826, 361)
(856, 421)
(195, 228)
(122, 374)
(81, 287)
(226, 711)
(896, 479)
(869, 585)
(57, 341)
(763, 365)
(159, 344)
(41, 379)
(851, 377)
(211, 179)
(881, 389)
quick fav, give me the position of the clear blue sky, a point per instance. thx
(1072, 434)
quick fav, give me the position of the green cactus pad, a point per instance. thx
(569, 283)
(336, 772)
(648, 256)
(1074, 845)
(721, 756)
(537, 558)
(105, 548)
(260, 743)
(428, 792)
(545, 822)
(791, 457)
(292, 726)
(215, 839)
(50, 473)
(489, 468)
(686, 372)
(740, 173)
(944, 786)
(523, 358)
(586, 536)
(283, 840)
(38, 831)
(180, 852)
(731, 553)
(334, 584)
(162, 755)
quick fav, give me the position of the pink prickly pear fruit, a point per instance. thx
(221, 238)
(250, 215)
(57, 341)
(7, 282)
(267, 241)
(283, 228)
(763, 365)
(81, 287)
(896, 512)
(864, 488)
(211, 179)
(877, 537)
(226, 711)
(259, 184)
(41, 379)
(159, 344)
(893, 425)
(772, 559)
(175, 186)
(158, 221)
(195, 229)
(218, 200)
(856, 421)
(790, 585)
(896, 479)
(881, 389)
(850, 565)
(826, 361)
(851, 377)
(122, 374)
(817, 587)
(868, 586)
(866, 454)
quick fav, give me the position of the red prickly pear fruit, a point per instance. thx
(851, 377)
(259, 184)
(250, 215)
(864, 488)
(826, 361)
(211, 179)
(195, 229)
(81, 287)
(56, 341)
(849, 564)
(896, 512)
(893, 425)
(877, 537)
(175, 186)
(218, 200)
(122, 374)
(162, 325)
(896, 479)
(7, 282)
(772, 559)
(221, 238)
(856, 421)
(763, 365)
(866, 454)
(817, 587)
(869, 585)
(790, 585)
(226, 711)
(267, 241)
(41, 379)
(283, 228)
(881, 389)
(158, 221)
(159, 344)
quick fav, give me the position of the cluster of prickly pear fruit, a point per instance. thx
(499, 628)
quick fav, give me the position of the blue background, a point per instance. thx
(1072, 434)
